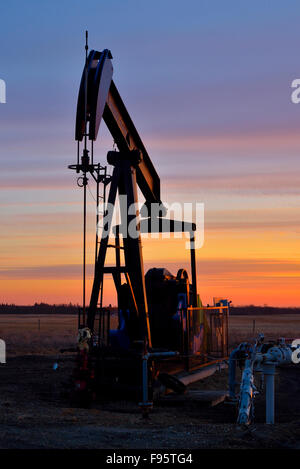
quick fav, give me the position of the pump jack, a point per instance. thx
(161, 319)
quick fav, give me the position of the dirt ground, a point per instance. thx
(35, 409)
(35, 412)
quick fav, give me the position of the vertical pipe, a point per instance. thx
(269, 372)
(188, 312)
(84, 250)
(227, 331)
(182, 330)
(117, 276)
(97, 213)
(232, 373)
(145, 380)
(193, 268)
(85, 88)
(104, 202)
(117, 244)
(108, 326)
(85, 153)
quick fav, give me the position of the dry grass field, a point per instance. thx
(47, 334)
(245, 328)
(37, 334)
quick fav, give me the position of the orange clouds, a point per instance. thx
(251, 252)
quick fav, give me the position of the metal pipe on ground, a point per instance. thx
(202, 374)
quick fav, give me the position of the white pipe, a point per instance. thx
(246, 394)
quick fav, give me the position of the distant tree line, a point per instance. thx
(44, 308)
(251, 310)
(39, 308)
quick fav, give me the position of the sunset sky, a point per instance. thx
(208, 85)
